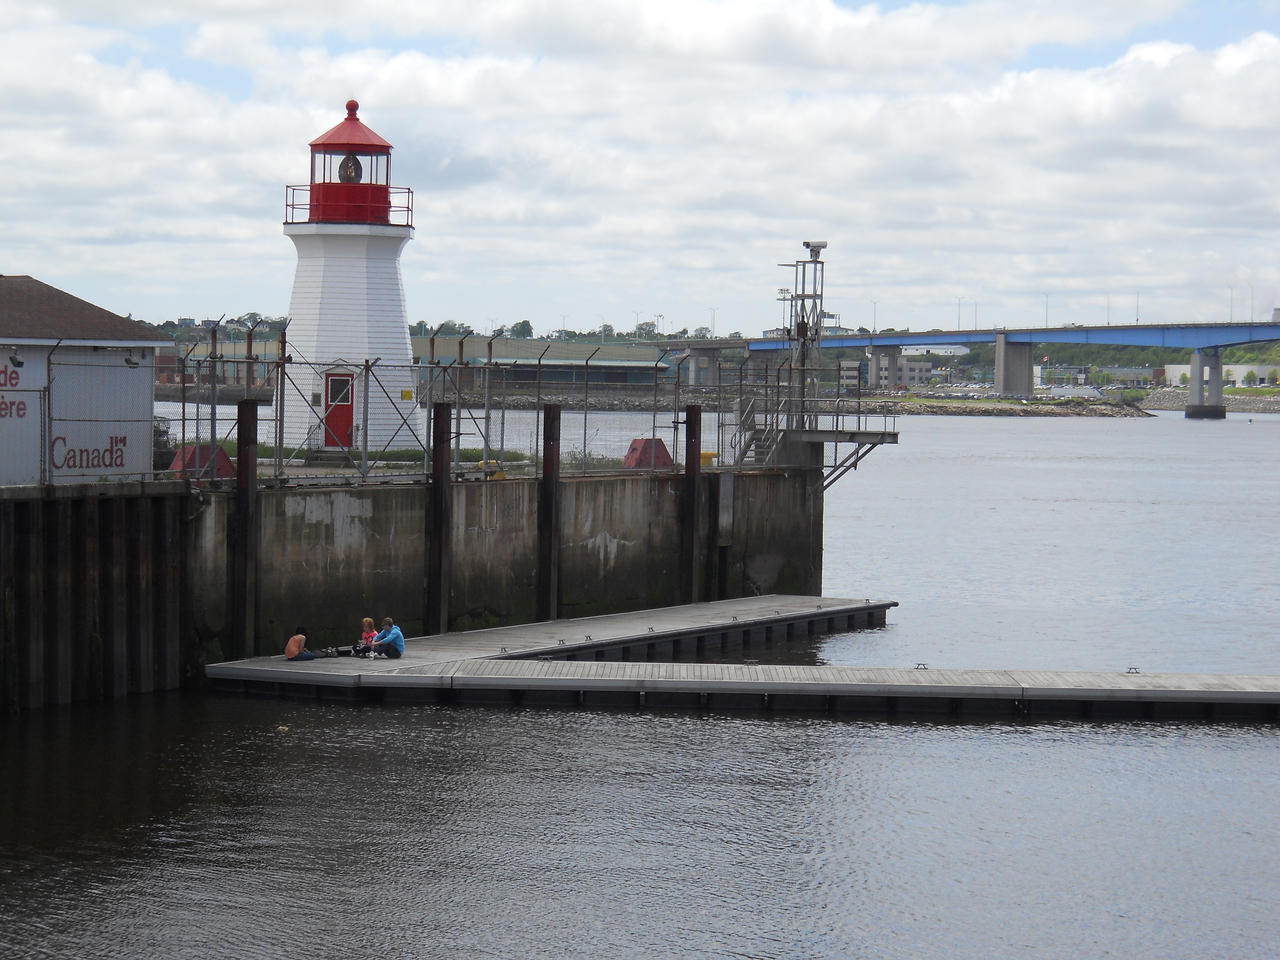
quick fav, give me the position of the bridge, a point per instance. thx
(1015, 350)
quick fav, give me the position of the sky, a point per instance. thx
(993, 163)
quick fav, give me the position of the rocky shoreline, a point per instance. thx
(1171, 398)
(1033, 408)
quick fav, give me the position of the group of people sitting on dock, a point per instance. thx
(389, 643)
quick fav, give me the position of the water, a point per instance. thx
(1073, 544)
(182, 826)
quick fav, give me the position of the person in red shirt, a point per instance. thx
(296, 648)
(367, 632)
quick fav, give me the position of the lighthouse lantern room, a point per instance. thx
(351, 379)
(350, 179)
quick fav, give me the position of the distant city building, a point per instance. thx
(236, 365)
(524, 361)
(1073, 375)
(1059, 375)
(1233, 374)
(780, 333)
(935, 350)
(1136, 377)
(911, 373)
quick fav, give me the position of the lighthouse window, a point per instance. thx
(349, 170)
(339, 391)
(350, 167)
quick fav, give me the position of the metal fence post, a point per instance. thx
(364, 425)
(586, 404)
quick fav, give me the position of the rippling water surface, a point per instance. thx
(1066, 543)
(183, 826)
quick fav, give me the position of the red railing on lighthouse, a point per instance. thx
(348, 203)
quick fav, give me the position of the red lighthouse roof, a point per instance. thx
(351, 134)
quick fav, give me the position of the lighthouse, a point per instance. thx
(351, 377)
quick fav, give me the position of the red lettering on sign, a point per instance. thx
(62, 457)
(12, 409)
(9, 378)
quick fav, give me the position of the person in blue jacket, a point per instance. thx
(390, 642)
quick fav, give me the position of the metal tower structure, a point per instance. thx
(805, 328)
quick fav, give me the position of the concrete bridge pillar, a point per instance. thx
(1205, 399)
(1014, 370)
(703, 368)
(888, 357)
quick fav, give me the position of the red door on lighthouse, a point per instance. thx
(338, 410)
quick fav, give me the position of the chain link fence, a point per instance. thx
(368, 421)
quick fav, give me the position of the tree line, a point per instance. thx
(605, 333)
(189, 330)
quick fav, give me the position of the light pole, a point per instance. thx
(657, 322)
(1046, 310)
(873, 315)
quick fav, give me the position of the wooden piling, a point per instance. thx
(547, 578)
(435, 618)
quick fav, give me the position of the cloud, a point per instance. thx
(656, 157)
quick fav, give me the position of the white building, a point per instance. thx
(780, 333)
(77, 385)
(1233, 374)
(911, 373)
(934, 349)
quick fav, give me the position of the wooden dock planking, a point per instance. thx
(512, 663)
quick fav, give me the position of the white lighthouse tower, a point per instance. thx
(351, 377)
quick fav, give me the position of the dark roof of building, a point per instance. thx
(31, 310)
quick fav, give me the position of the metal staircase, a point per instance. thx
(767, 427)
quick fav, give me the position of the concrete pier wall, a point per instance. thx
(619, 545)
(107, 590)
(494, 554)
(91, 593)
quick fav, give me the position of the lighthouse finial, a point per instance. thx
(352, 107)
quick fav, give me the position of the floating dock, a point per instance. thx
(649, 658)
